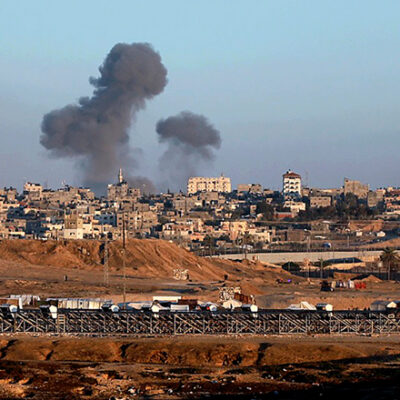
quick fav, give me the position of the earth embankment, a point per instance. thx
(196, 367)
(147, 258)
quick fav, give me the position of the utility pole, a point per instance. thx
(321, 262)
(106, 273)
(245, 246)
(123, 260)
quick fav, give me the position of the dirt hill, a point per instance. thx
(147, 258)
(367, 226)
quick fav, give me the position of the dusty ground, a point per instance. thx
(47, 281)
(184, 367)
(171, 368)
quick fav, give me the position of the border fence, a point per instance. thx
(264, 322)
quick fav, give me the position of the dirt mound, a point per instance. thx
(214, 352)
(46, 368)
(371, 279)
(257, 271)
(343, 275)
(366, 226)
(146, 258)
(395, 243)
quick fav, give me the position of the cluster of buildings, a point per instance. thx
(209, 213)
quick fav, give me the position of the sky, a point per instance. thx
(311, 86)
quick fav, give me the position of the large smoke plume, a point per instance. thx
(191, 141)
(95, 131)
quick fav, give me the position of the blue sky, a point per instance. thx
(308, 85)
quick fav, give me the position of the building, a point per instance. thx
(254, 188)
(320, 201)
(356, 187)
(33, 191)
(374, 198)
(73, 226)
(121, 190)
(294, 206)
(202, 184)
(136, 223)
(291, 184)
(243, 187)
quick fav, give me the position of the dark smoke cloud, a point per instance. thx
(145, 185)
(95, 131)
(191, 140)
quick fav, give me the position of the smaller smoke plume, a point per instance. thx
(145, 185)
(191, 141)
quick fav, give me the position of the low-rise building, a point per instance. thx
(320, 201)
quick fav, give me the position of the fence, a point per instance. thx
(265, 322)
(363, 272)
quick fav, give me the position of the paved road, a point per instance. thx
(277, 258)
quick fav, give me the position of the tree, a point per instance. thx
(209, 243)
(267, 210)
(291, 266)
(390, 259)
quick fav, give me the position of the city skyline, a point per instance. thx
(308, 87)
(196, 184)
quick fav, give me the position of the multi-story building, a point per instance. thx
(320, 201)
(73, 226)
(356, 187)
(294, 206)
(202, 184)
(135, 223)
(374, 198)
(291, 184)
(9, 194)
(33, 191)
(121, 190)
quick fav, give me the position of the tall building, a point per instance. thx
(356, 187)
(291, 184)
(202, 184)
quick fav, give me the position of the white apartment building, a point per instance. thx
(202, 184)
(291, 184)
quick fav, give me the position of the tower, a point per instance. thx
(120, 176)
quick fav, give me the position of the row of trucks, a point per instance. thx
(327, 286)
(387, 306)
(178, 304)
(14, 303)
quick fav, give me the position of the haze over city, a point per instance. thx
(311, 86)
